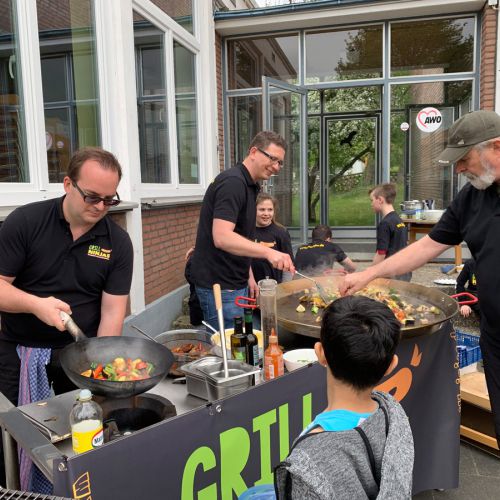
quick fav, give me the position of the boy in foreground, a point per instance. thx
(392, 235)
(361, 446)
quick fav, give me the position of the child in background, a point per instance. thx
(320, 255)
(467, 282)
(272, 234)
(361, 446)
(392, 234)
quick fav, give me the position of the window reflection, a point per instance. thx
(344, 54)
(185, 103)
(69, 80)
(13, 165)
(180, 11)
(432, 47)
(252, 58)
(151, 102)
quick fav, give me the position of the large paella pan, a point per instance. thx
(307, 323)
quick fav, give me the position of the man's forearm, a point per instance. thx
(236, 244)
(13, 300)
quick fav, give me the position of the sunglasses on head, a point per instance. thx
(95, 200)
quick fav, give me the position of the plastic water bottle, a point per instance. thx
(85, 420)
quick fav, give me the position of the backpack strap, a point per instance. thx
(369, 449)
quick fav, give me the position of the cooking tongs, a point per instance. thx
(321, 290)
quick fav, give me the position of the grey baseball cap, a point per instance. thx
(473, 128)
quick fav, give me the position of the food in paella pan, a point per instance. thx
(407, 313)
(120, 370)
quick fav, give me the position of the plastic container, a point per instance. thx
(468, 349)
(85, 420)
(268, 310)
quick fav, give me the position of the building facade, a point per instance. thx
(176, 93)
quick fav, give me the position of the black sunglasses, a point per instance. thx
(271, 157)
(95, 200)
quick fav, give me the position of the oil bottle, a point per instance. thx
(252, 343)
(238, 340)
(85, 420)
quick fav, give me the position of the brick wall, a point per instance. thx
(488, 59)
(167, 234)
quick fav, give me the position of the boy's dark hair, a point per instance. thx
(359, 337)
(321, 232)
(266, 137)
(386, 191)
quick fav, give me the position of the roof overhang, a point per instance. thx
(333, 13)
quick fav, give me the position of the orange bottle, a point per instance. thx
(273, 359)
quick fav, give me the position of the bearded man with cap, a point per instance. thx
(474, 217)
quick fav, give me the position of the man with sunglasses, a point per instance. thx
(63, 254)
(225, 241)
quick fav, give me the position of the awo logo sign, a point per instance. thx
(429, 119)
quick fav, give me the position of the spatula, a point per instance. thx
(321, 290)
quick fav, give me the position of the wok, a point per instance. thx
(77, 357)
(288, 293)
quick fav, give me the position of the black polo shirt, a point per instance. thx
(277, 238)
(231, 197)
(392, 234)
(319, 254)
(36, 246)
(474, 217)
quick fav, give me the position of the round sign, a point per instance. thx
(60, 144)
(429, 119)
(404, 126)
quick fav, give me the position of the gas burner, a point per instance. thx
(123, 416)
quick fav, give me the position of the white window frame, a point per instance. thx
(205, 100)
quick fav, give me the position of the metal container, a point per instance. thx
(241, 377)
(195, 379)
(177, 338)
(411, 205)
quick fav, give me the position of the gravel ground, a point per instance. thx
(426, 276)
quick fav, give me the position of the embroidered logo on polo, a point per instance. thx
(98, 252)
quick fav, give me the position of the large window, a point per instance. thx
(432, 47)
(185, 104)
(13, 164)
(151, 102)
(350, 54)
(251, 58)
(69, 81)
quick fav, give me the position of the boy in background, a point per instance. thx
(373, 455)
(392, 234)
(321, 254)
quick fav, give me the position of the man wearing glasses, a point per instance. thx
(225, 240)
(63, 254)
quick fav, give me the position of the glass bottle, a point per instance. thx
(85, 420)
(273, 359)
(268, 312)
(238, 340)
(252, 343)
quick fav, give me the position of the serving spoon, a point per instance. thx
(320, 289)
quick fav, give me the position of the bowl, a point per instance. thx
(297, 358)
(431, 215)
(215, 339)
(178, 340)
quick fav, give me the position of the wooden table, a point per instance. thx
(416, 226)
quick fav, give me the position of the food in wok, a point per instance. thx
(408, 313)
(120, 370)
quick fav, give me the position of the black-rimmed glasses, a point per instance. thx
(95, 200)
(271, 157)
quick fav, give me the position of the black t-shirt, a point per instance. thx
(392, 234)
(318, 255)
(467, 277)
(37, 248)
(230, 197)
(474, 217)
(277, 238)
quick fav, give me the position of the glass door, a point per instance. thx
(284, 110)
(350, 168)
